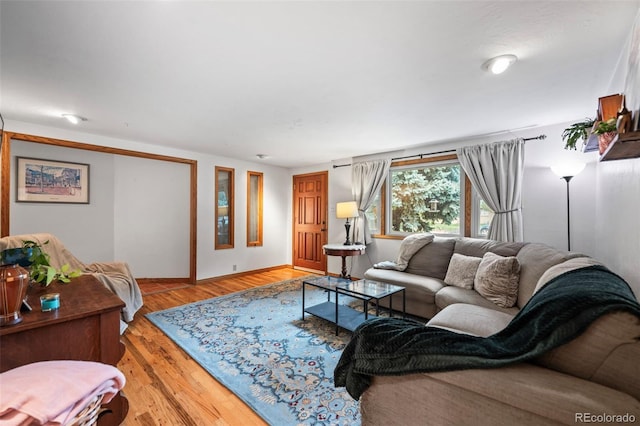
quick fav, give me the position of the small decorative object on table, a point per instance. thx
(50, 302)
(14, 281)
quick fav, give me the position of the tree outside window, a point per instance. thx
(426, 199)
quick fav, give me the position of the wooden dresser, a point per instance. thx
(86, 327)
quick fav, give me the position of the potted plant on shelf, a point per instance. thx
(606, 131)
(576, 132)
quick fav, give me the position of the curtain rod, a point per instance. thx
(448, 151)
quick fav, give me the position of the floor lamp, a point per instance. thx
(567, 171)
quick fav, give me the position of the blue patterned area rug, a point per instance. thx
(256, 344)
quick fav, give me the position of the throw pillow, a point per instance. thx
(497, 279)
(408, 247)
(462, 270)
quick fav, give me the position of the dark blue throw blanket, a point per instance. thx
(556, 314)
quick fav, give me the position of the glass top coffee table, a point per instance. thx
(343, 315)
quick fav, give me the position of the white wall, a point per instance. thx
(211, 263)
(277, 236)
(618, 229)
(71, 223)
(129, 202)
(617, 202)
(151, 214)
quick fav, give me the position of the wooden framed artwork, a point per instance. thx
(51, 181)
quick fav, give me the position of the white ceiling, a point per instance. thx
(305, 82)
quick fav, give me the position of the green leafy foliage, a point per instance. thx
(41, 270)
(412, 191)
(606, 126)
(576, 132)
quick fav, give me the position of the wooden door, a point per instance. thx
(310, 221)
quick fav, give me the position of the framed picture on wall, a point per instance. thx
(50, 181)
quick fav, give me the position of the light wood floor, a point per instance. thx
(164, 385)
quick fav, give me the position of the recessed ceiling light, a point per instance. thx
(499, 64)
(262, 156)
(73, 118)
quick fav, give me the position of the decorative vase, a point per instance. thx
(19, 255)
(604, 139)
(14, 281)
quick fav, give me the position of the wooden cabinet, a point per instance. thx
(86, 327)
(625, 145)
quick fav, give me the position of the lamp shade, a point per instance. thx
(346, 210)
(568, 168)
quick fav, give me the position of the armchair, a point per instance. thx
(116, 276)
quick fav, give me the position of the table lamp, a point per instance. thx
(347, 210)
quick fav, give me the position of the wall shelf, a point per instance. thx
(626, 145)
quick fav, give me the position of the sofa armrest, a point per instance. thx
(522, 394)
(607, 353)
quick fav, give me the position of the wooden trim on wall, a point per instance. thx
(5, 176)
(424, 160)
(468, 208)
(5, 179)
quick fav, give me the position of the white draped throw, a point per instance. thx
(496, 172)
(366, 180)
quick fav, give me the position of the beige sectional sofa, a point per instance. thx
(593, 378)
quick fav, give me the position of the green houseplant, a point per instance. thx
(606, 131)
(40, 269)
(603, 127)
(577, 131)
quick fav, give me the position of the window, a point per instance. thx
(425, 195)
(224, 209)
(254, 209)
(485, 215)
(425, 199)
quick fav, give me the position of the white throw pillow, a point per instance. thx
(462, 270)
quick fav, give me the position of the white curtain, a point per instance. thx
(366, 180)
(496, 171)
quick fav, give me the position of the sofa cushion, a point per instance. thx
(497, 279)
(470, 319)
(451, 294)
(462, 270)
(432, 260)
(419, 291)
(477, 247)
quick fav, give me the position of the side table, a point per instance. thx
(344, 251)
(86, 327)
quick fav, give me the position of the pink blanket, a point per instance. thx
(53, 392)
